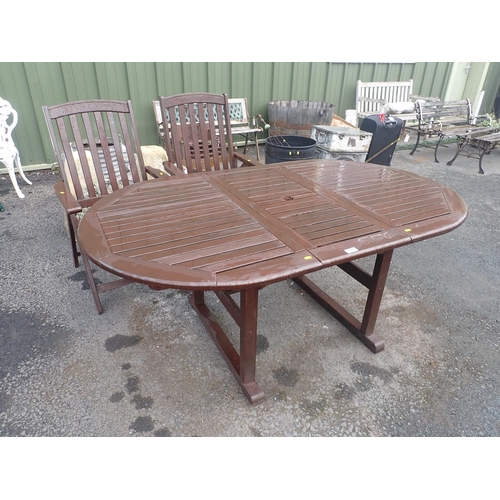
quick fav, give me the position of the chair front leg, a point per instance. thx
(257, 146)
(416, 143)
(91, 281)
(72, 236)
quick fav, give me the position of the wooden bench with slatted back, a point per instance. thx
(441, 119)
(371, 96)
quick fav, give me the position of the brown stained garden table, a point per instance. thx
(236, 231)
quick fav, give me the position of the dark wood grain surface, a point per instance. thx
(252, 226)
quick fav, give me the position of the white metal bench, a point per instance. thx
(241, 122)
(372, 96)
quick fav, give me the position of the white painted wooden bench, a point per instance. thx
(395, 97)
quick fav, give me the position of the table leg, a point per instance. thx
(363, 330)
(241, 364)
(248, 334)
(376, 290)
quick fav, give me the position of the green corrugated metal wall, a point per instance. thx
(29, 85)
(491, 87)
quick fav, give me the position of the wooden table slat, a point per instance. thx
(182, 236)
(248, 255)
(157, 229)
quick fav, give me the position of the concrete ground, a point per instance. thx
(146, 367)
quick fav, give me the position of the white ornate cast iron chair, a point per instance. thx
(9, 155)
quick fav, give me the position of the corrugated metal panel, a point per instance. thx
(492, 88)
(18, 86)
(28, 86)
(431, 79)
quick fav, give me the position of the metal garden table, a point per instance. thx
(475, 143)
(236, 231)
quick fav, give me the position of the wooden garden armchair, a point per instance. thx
(198, 134)
(98, 151)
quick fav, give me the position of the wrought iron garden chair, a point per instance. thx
(9, 155)
(98, 151)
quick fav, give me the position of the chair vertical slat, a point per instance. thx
(136, 167)
(231, 161)
(89, 131)
(217, 132)
(195, 136)
(225, 138)
(174, 142)
(67, 151)
(208, 139)
(82, 156)
(104, 145)
(183, 134)
(169, 133)
(116, 144)
(135, 144)
(177, 144)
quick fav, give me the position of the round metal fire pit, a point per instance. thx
(281, 148)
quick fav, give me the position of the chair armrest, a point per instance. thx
(254, 121)
(172, 169)
(67, 199)
(247, 161)
(154, 172)
(482, 121)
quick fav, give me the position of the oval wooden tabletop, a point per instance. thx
(252, 226)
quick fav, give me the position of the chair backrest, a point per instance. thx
(238, 112)
(96, 145)
(371, 95)
(198, 131)
(8, 121)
